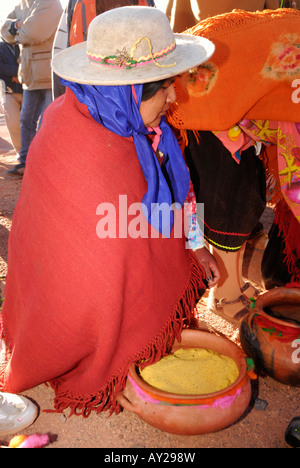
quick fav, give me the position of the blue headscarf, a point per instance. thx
(116, 109)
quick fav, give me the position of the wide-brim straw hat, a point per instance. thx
(131, 45)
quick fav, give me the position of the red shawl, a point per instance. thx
(78, 309)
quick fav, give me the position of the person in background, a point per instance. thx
(183, 15)
(32, 24)
(74, 23)
(226, 224)
(229, 171)
(9, 55)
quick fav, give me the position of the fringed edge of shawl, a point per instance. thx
(238, 19)
(289, 228)
(106, 398)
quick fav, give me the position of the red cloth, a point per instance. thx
(79, 310)
(289, 227)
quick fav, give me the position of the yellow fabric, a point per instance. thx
(192, 372)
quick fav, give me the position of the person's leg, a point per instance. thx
(28, 118)
(229, 285)
(34, 105)
(181, 15)
(13, 107)
(246, 287)
(227, 298)
(231, 295)
(44, 101)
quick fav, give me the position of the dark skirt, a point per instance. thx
(234, 195)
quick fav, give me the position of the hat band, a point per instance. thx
(125, 60)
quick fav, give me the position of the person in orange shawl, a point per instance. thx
(98, 276)
(246, 96)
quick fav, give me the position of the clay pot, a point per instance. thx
(191, 414)
(270, 335)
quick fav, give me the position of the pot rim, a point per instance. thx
(284, 323)
(202, 398)
(273, 297)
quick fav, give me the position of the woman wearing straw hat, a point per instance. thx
(99, 275)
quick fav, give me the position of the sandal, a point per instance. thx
(247, 286)
(218, 309)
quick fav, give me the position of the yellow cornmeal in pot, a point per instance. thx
(192, 371)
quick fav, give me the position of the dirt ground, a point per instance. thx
(258, 428)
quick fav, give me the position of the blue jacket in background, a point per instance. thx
(9, 65)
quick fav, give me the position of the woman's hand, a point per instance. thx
(209, 263)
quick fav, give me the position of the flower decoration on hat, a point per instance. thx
(124, 59)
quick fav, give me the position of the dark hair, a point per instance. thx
(150, 89)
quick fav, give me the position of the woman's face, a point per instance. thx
(154, 108)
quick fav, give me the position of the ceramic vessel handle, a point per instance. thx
(121, 398)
